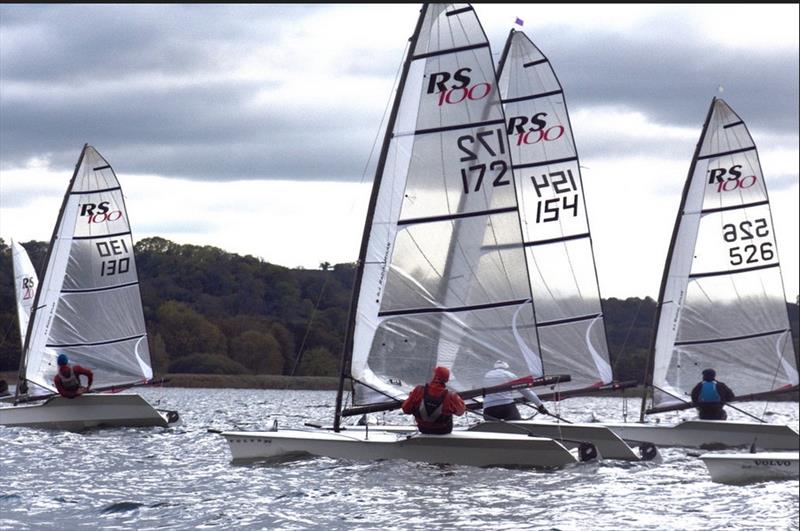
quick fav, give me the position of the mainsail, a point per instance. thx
(25, 284)
(563, 278)
(722, 303)
(442, 273)
(88, 305)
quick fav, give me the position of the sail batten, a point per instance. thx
(722, 277)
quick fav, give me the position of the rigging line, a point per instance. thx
(299, 355)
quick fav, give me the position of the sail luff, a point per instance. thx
(22, 377)
(347, 351)
(500, 67)
(648, 379)
(559, 252)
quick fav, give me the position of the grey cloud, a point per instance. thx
(216, 131)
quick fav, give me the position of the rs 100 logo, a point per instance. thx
(28, 286)
(99, 213)
(728, 179)
(459, 89)
(536, 132)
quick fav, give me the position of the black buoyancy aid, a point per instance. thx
(430, 418)
(70, 382)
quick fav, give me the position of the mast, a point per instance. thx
(347, 351)
(648, 383)
(500, 65)
(23, 362)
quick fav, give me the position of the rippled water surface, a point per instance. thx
(182, 477)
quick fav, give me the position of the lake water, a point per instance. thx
(181, 477)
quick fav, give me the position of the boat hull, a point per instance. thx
(609, 444)
(710, 434)
(84, 412)
(747, 468)
(458, 448)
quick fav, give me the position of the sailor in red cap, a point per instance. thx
(433, 406)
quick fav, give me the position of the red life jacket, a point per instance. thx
(430, 418)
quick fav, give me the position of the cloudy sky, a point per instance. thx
(253, 127)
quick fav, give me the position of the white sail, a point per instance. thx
(25, 283)
(557, 240)
(444, 279)
(88, 305)
(722, 302)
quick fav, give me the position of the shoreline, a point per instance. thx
(315, 383)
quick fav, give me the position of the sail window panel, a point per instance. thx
(96, 317)
(406, 348)
(578, 349)
(455, 263)
(456, 172)
(94, 173)
(729, 306)
(563, 280)
(100, 263)
(113, 363)
(539, 131)
(551, 202)
(731, 181)
(754, 365)
(441, 32)
(99, 214)
(733, 240)
(722, 136)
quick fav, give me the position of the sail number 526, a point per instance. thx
(750, 253)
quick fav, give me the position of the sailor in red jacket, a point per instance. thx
(68, 382)
(433, 406)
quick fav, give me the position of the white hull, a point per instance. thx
(84, 412)
(458, 448)
(710, 434)
(745, 468)
(609, 444)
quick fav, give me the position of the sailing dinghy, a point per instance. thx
(441, 277)
(566, 297)
(87, 306)
(722, 303)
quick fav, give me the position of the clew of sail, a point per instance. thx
(442, 269)
(722, 302)
(88, 305)
(557, 240)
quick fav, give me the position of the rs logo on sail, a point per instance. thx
(28, 285)
(537, 130)
(99, 213)
(456, 92)
(733, 181)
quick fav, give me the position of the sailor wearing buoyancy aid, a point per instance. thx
(709, 397)
(501, 405)
(433, 405)
(67, 381)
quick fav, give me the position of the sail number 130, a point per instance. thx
(112, 250)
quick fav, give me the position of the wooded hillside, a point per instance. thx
(209, 311)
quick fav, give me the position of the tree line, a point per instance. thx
(210, 311)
